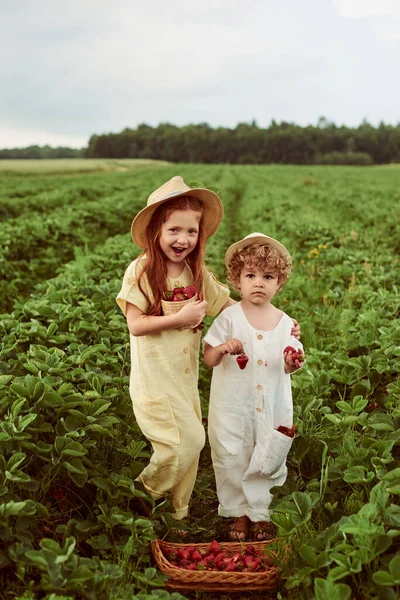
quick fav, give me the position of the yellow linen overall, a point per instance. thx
(164, 391)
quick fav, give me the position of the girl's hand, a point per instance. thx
(232, 346)
(295, 329)
(292, 362)
(192, 314)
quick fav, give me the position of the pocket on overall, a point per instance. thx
(156, 420)
(274, 454)
(226, 434)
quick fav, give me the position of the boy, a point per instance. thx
(253, 353)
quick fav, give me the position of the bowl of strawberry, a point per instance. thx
(218, 565)
(173, 300)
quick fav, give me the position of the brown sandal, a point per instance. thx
(263, 530)
(239, 529)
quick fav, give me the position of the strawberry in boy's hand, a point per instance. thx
(296, 354)
(242, 361)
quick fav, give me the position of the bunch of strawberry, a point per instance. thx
(181, 293)
(296, 354)
(215, 558)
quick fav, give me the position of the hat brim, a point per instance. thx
(256, 239)
(213, 211)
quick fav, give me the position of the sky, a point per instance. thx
(69, 70)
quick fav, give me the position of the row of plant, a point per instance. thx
(339, 511)
(37, 243)
(32, 193)
(70, 449)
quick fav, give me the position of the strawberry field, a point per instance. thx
(70, 450)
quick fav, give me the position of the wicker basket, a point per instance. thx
(169, 307)
(183, 579)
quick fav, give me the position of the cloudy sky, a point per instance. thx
(71, 69)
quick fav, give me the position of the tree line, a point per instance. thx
(287, 143)
(42, 152)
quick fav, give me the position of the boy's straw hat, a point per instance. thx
(255, 238)
(213, 209)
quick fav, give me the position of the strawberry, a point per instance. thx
(289, 349)
(296, 354)
(215, 547)
(178, 297)
(189, 291)
(196, 556)
(290, 432)
(178, 290)
(242, 361)
(183, 553)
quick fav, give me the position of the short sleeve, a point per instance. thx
(130, 291)
(215, 293)
(219, 332)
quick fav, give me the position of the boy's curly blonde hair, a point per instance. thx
(263, 256)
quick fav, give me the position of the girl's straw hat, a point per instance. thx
(255, 238)
(174, 188)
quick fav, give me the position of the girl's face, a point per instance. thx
(179, 234)
(257, 287)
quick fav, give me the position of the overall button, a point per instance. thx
(259, 387)
(260, 337)
(258, 409)
(187, 370)
(186, 350)
(260, 362)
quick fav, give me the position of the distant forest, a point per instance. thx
(285, 143)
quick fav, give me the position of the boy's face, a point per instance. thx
(256, 286)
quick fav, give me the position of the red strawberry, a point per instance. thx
(296, 354)
(183, 553)
(190, 291)
(242, 361)
(215, 547)
(290, 432)
(178, 297)
(178, 290)
(196, 555)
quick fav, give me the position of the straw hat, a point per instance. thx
(213, 209)
(254, 238)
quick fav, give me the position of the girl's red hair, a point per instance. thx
(155, 266)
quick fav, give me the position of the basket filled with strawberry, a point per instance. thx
(174, 300)
(218, 566)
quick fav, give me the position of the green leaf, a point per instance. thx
(383, 578)
(325, 589)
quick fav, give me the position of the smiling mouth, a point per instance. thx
(178, 250)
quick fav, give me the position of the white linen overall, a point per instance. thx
(246, 407)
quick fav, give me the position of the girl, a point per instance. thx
(172, 231)
(251, 399)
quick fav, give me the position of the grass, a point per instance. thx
(75, 165)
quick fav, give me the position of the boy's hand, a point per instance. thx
(294, 359)
(232, 347)
(295, 330)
